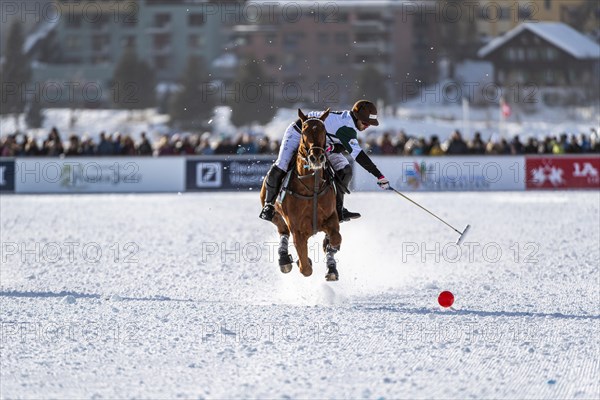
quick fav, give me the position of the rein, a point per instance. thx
(320, 186)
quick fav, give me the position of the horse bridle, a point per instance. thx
(309, 149)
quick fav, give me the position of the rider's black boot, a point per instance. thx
(344, 176)
(273, 184)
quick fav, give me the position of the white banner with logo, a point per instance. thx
(448, 173)
(99, 175)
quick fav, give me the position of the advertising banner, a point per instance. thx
(227, 173)
(563, 172)
(7, 175)
(99, 175)
(449, 173)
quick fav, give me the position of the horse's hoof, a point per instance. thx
(332, 275)
(285, 263)
(308, 270)
(285, 268)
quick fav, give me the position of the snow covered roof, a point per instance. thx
(557, 33)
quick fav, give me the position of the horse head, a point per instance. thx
(314, 137)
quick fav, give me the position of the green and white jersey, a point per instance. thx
(340, 130)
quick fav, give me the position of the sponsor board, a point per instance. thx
(99, 175)
(226, 173)
(449, 173)
(7, 175)
(563, 172)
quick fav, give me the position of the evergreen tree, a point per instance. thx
(133, 81)
(146, 85)
(370, 85)
(191, 106)
(16, 72)
(254, 102)
(34, 118)
(458, 35)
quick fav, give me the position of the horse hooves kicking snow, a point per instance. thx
(307, 271)
(332, 274)
(285, 263)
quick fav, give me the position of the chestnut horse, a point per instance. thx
(308, 205)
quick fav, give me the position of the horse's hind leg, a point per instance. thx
(331, 245)
(285, 259)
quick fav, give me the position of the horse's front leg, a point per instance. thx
(285, 258)
(331, 245)
(301, 243)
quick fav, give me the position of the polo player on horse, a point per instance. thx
(342, 139)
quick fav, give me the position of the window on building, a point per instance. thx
(521, 54)
(100, 59)
(323, 37)
(532, 54)
(161, 62)
(290, 61)
(129, 21)
(291, 40)
(161, 41)
(101, 22)
(525, 13)
(195, 41)
(504, 13)
(324, 60)
(196, 19)
(341, 38)
(74, 20)
(342, 59)
(340, 16)
(271, 59)
(551, 53)
(501, 76)
(549, 76)
(128, 41)
(99, 42)
(364, 16)
(162, 19)
(547, 4)
(73, 42)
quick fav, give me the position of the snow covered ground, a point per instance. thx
(179, 296)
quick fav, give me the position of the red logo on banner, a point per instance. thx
(563, 172)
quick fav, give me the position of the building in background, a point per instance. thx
(89, 37)
(323, 50)
(496, 17)
(320, 48)
(547, 62)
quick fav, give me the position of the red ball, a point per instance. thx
(446, 299)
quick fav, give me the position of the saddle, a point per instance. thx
(329, 176)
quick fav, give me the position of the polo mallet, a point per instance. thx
(462, 234)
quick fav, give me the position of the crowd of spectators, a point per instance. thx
(245, 143)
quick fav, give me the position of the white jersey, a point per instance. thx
(340, 130)
(341, 133)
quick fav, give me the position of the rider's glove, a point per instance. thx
(383, 183)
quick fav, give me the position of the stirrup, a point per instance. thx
(268, 212)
